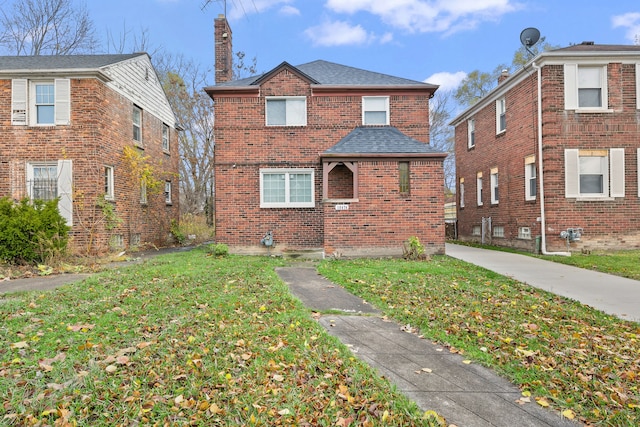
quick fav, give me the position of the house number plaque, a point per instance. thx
(343, 207)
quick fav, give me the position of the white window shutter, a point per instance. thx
(63, 101)
(65, 190)
(571, 173)
(19, 102)
(616, 171)
(570, 86)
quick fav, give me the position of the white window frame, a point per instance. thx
(109, 192)
(613, 171)
(572, 87)
(476, 230)
(165, 137)
(143, 193)
(23, 102)
(524, 233)
(530, 176)
(501, 111)
(136, 123)
(167, 192)
(498, 231)
(462, 192)
(479, 189)
(293, 117)
(64, 172)
(287, 173)
(471, 133)
(373, 104)
(495, 194)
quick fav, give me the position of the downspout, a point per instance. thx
(543, 223)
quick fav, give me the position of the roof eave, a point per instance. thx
(65, 72)
(231, 90)
(374, 88)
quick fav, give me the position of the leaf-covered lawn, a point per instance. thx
(184, 339)
(619, 263)
(580, 361)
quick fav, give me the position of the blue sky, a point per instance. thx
(438, 41)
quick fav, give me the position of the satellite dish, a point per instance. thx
(529, 37)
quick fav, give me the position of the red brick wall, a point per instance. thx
(611, 223)
(244, 145)
(100, 129)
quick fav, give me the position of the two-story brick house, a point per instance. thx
(324, 159)
(64, 124)
(549, 159)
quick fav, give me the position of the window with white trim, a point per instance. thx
(462, 192)
(375, 110)
(165, 138)
(471, 133)
(50, 181)
(524, 233)
(136, 118)
(585, 87)
(476, 230)
(501, 115)
(498, 231)
(143, 192)
(530, 178)
(479, 189)
(286, 111)
(40, 102)
(109, 193)
(287, 188)
(167, 192)
(494, 186)
(594, 173)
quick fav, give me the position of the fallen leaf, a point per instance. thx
(111, 369)
(542, 402)
(568, 413)
(20, 344)
(466, 362)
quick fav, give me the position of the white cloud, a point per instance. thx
(338, 33)
(289, 11)
(423, 16)
(446, 80)
(630, 21)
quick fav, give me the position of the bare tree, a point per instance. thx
(46, 27)
(441, 134)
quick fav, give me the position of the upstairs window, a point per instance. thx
(40, 102)
(501, 115)
(136, 118)
(286, 188)
(585, 87)
(375, 110)
(165, 138)
(471, 133)
(286, 111)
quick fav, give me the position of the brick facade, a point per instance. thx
(100, 127)
(607, 222)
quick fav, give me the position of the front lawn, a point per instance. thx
(184, 339)
(562, 354)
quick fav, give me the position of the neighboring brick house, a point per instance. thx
(327, 158)
(64, 124)
(560, 139)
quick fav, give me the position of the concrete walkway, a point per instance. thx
(467, 395)
(611, 294)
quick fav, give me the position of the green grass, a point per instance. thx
(577, 359)
(183, 339)
(619, 263)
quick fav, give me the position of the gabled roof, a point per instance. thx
(60, 62)
(380, 141)
(328, 73)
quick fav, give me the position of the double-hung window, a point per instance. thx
(479, 189)
(167, 192)
(471, 133)
(109, 193)
(501, 115)
(375, 110)
(530, 178)
(462, 192)
(585, 87)
(287, 188)
(50, 181)
(594, 173)
(136, 118)
(494, 186)
(286, 111)
(40, 102)
(165, 138)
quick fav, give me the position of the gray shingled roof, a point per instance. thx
(379, 140)
(329, 73)
(61, 62)
(592, 47)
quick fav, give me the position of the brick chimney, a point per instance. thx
(223, 50)
(504, 75)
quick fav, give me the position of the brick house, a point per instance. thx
(560, 139)
(324, 159)
(64, 124)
